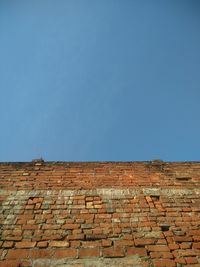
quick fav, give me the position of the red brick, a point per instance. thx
(41, 253)
(136, 251)
(66, 253)
(113, 252)
(76, 237)
(10, 263)
(158, 248)
(143, 242)
(122, 243)
(164, 255)
(17, 254)
(88, 252)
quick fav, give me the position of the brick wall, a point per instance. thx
(100, 214)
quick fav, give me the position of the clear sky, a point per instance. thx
(99, 80)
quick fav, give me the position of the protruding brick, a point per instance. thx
(58, 244)
(25, 244)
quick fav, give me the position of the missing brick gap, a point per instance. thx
(155, 197)
(165, 228)
(31, 198)
(183, 178)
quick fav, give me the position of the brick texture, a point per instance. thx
(100, 214)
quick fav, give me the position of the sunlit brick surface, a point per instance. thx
(100, 214)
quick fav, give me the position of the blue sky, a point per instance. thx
(99, 80)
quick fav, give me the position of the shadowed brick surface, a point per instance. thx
(100, 214)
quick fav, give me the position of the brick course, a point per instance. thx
(100, 213)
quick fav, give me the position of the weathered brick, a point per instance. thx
(122, 243)
(8, 244)
(91, 244)
(191, 260)
(42, 244)
(106, 243)
(88, 252)
(133, 209)
(113, 252)
(66, 253)
(10, 263)
(58, 244)
(164, 263)
(70, 226)
(136, 251)
(41, 253)
(17, 254)
(196, 245)
(25, 244)
(158, 248)
(76, 237)
(143, 242)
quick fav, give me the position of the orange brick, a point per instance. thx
(75, 244)
(58, 244)
(25, 244)
(42, 244)
(91, 244)
(191, 260)
(173, 246)
(10, 263)
(106, 243)
(76, 237)
(196, 245)
(180, 260)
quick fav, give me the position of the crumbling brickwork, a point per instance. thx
(100, 214)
